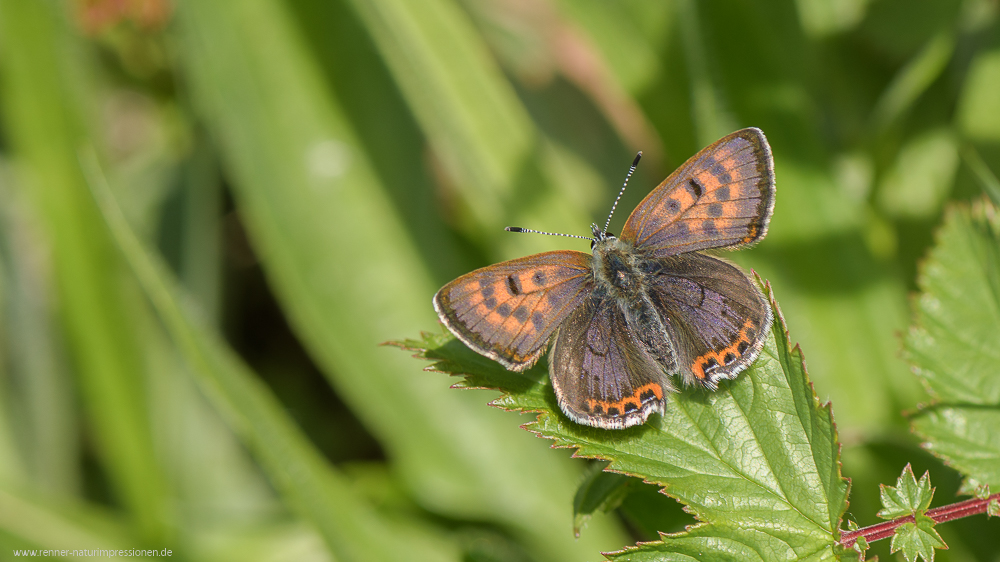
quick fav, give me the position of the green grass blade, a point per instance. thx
(349, 278)
(988, 181)
(41, 64)
(38, 387)
(321, 495)
(758, 461)
(469, 111)
(28, 522)
(913, 80)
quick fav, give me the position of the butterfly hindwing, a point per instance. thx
(601, 373)
(719, 318)
(721, 197)
(508, 311)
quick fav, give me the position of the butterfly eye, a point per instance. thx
(599, 237)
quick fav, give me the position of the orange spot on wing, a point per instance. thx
(709, 181)
(643, 395)
(683, 197)
(703, 365)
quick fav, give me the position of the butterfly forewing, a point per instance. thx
(719, 318)
(721, 197)
(510, 310)
(602, 375)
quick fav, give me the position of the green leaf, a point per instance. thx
(967, 437)
(756, 461)
(917, 539)
(600, 490)
(972, 487)
(861, 543)
(979, 106)
(922, 175)
(955, 341)
(954, 344)
(907, 497)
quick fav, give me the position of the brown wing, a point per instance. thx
(508, 311)
(721, 197)
(719, 319)
(601, 372)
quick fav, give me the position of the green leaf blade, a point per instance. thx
(967, 437)
(954, 344)
(719, 543)
(757, 460)
(600, 490)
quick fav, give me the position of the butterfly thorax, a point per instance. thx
(618, 270)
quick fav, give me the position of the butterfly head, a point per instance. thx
(599, 235)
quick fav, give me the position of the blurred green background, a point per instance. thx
(302, 175)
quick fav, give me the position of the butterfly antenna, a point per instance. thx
(627, 176)
(519, 229)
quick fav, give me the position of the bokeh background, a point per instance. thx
(304, 174)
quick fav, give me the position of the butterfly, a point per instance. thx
(644, 306)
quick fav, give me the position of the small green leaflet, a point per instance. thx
(917, 539)
(907, 497)
(954, 344)
(757, 462)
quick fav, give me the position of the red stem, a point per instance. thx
(938, 514)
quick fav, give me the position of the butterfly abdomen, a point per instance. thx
(624, 276)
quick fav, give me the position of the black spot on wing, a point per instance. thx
(513, 285)
(521, 314)
(696, 188)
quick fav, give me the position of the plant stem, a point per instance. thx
(938, 514)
